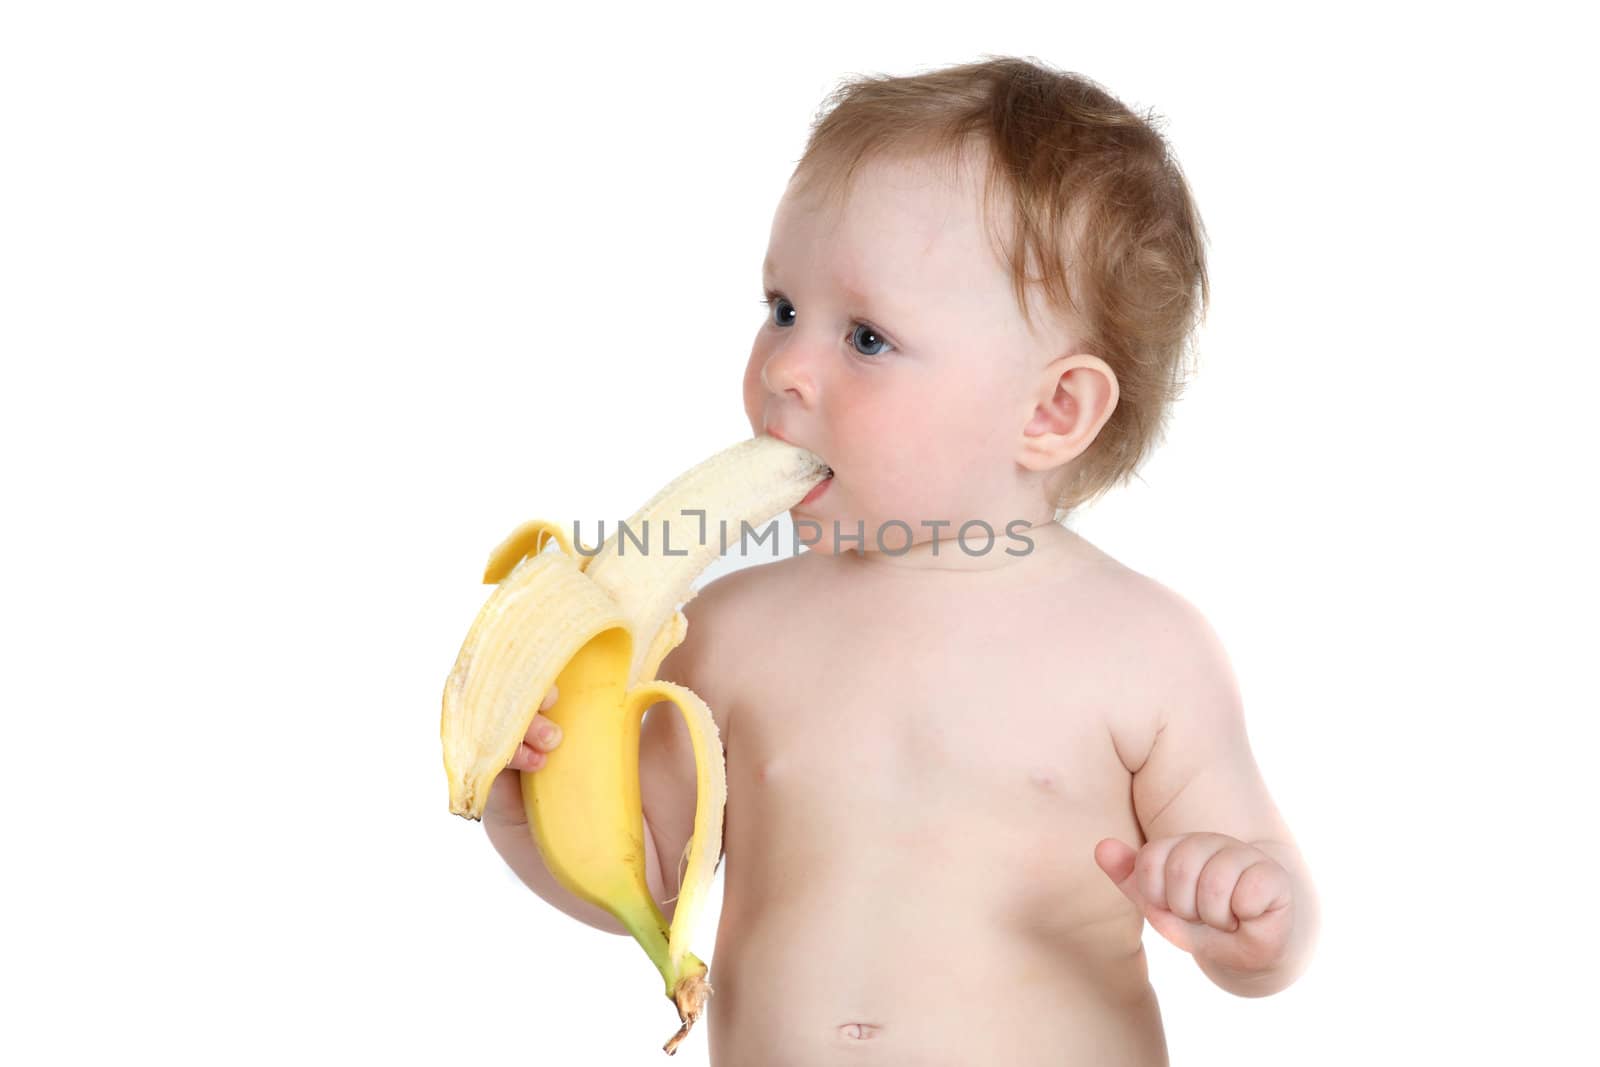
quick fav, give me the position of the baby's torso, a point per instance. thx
(918, 772)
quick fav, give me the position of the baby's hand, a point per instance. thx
(504, 807)
(1214, 896)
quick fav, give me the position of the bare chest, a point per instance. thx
(961, 731)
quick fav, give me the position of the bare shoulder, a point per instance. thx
(1156, 644)
(1158, 616)
(722, 616)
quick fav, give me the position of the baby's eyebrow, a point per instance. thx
(860, 298)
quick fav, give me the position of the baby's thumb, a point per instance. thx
(1117, 860)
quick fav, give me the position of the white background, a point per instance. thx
(303, 306)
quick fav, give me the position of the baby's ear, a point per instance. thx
(1076, 395)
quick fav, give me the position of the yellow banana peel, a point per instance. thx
(597, 628)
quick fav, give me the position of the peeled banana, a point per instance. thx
(597, 627)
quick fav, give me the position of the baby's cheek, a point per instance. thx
(898, 459)
(754, 391)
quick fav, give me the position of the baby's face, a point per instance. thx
(893, 348)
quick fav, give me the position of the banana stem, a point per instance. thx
(690, 997)
(686, 984)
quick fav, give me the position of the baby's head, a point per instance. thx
(983, 283)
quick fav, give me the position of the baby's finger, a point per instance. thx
(1215, 888)
(1181, 873)
(1150, 870)
(1263, 887)
(526, 759)
(542, 735)
(550, 699)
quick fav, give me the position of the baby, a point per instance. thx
(969, 754)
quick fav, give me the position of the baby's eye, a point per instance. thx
(777, 303)
(866, 339)
(863, 330)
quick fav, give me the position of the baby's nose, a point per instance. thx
(789, 371)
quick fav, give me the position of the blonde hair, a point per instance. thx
(1098, 202)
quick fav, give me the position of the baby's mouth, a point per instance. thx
(819, 488)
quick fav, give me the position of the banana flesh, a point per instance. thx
(750, 482)
(597, 627)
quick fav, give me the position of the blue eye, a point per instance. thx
(863, 330)
(862, 336)
(773, 301)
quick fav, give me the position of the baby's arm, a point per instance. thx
(1220, 875)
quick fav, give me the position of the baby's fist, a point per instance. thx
(504, 807)
(542, 736)
(1214, 896)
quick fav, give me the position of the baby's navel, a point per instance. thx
(859, 1031)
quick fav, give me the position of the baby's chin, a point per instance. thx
(830, 533)
(824, 545)
(814, 531)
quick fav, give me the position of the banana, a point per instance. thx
(597, 627)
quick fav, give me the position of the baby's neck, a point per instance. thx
(1018, 549)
